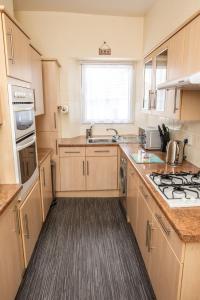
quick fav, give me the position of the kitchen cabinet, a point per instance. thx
(88, 168)
(31, 221)
(164, 267)
(155, 72)
(101, 173)
(176, 55)
(36, 80)
(72, 171)
(11, 263)
(48, 125)
(51, 86)
(132, 197)
(144, 228)
(192, 46)
(46, 186)
(17, 54)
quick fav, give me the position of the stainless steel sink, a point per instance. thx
(101, 140)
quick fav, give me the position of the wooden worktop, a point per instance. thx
(8, 193)
(185, 221)
(42, 154)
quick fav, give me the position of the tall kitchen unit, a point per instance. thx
(48, 125)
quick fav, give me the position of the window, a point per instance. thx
(107, 93)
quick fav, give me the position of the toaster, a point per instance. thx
(149, 138)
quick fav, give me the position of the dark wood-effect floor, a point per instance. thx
(86, 250)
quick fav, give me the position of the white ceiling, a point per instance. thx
(103, 7)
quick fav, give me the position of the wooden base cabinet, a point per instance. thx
(132, 198)
(46, 186)
(88, 168)
(31, 221)
(11, 265)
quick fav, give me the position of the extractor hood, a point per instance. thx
(191, 82)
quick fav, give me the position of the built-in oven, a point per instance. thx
(27, 163)
(23, 110)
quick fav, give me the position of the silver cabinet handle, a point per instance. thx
(72, 152)
(27, 234)
(12, 57)
(87, 168)
(161, 222)
(44, 179)
(55, 123)
(175, 100)
(83, 168)
(17, 226)
(102, 151)
(56, 147)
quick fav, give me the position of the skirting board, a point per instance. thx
(113, 193)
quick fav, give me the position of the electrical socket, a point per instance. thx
(189, 140)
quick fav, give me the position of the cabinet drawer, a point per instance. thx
(147, 196)
(101, 151)
(72, 151)
(176, 244)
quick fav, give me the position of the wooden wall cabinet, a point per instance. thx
(46, 186)
(88, 168)
(18, 62)
(36, 80)
(11, 264)
(31, 221)
(155, 72)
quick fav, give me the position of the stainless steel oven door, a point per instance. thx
(24, 119)
(27, 163)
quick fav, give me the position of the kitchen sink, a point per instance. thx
(101, 140)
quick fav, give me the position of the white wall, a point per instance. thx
(8, 4)
(69, 37)
(164, 17)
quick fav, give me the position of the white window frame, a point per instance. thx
(132, 91)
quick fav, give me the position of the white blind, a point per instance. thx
(107, 93)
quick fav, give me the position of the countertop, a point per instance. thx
(81, 141)
(8, 192)
(42, 154)
(185, 221)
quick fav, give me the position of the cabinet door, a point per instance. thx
(101, 173)
(18, 63)
(176, 55)
(192, 46)
(143, 228)
(31, 221)
(132, 194)
(11, 267)
(72, 173)
(164, 268)
(51, 85)
(36, 80)
(46, 186)
(148, 79)
(160, 77)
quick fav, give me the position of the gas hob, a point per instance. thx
(181, 189)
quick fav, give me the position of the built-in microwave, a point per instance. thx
(23, 110)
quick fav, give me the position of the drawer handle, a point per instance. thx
(165, 229)
(55, 121)
(102, 151)
(73, 152)
(16, 220)
(88, 168)
(44, 179)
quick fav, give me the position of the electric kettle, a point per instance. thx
(175, 152)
